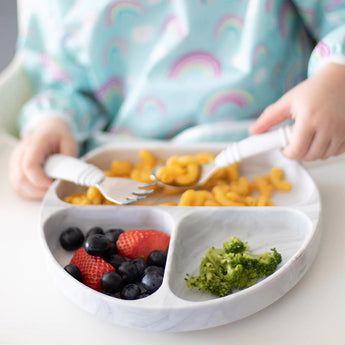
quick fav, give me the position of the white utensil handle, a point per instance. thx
(72, 169)
(254, 145)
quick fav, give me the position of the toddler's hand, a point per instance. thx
(317, 106)
(26, 165)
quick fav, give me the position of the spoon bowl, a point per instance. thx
(206, 171)
(235, 152)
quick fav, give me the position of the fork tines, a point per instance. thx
(142, 191)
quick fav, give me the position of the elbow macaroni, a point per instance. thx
(181, 171)
(226, 187)
(277, 182)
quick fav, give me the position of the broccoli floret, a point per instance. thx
(262, 265)
(232, 267)
(235, 245)
(213, 274)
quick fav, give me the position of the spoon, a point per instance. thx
(237, 151)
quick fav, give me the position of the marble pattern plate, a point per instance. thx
(292, 227)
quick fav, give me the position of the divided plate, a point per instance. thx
(292, 227)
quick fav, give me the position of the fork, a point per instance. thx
(120, 190)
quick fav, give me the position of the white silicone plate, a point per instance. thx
(292, 227)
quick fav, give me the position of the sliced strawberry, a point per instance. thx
(140, 243)
(91, 267)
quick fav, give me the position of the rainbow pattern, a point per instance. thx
(122, 131)
(334, 4)
(228, 23)
(173, 24)
(113, 88)
(116, 44)
(151, 104)
(44, 97)
(201, 61)
(260, 52)
(323, 49)
(269, 6)
(123, 7)
(286, 14)
(54, 70)
(241, 98)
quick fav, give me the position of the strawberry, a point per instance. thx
(91, 267)
(140, 243)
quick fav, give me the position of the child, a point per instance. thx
(183, 70)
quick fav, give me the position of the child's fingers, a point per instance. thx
(28, 191)
(32, 166)
(272, 115)
(25, 189)
(340, 149)
(332, 149)
(68, 146)
(37, 178)
(301, 140)
(335, 148)
(21, 185)
(35, 156)
(318, 147)
(329, 150)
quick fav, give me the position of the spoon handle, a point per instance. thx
(254, 145)
(72, 169)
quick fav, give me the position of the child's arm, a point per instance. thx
(63, 108)
(317, 106)
(61, 81)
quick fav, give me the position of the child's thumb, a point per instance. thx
(271, 116)
(69, 146)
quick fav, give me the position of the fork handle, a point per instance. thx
(254, 145)
(72, 169)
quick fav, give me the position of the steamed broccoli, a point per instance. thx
(232, 267)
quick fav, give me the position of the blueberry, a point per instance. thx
(144, 294)
(157, 258)
(111, 282)
(72, 238)
(141, 265)
(97, 244)
(152, 281)
(94, 230)
(74, 272)
(113, 234)
(130, 291)
(115, 260)
(158, 269)
(128, 271)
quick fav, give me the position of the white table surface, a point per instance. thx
(34, 311)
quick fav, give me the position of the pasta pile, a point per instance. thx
(226, 187)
